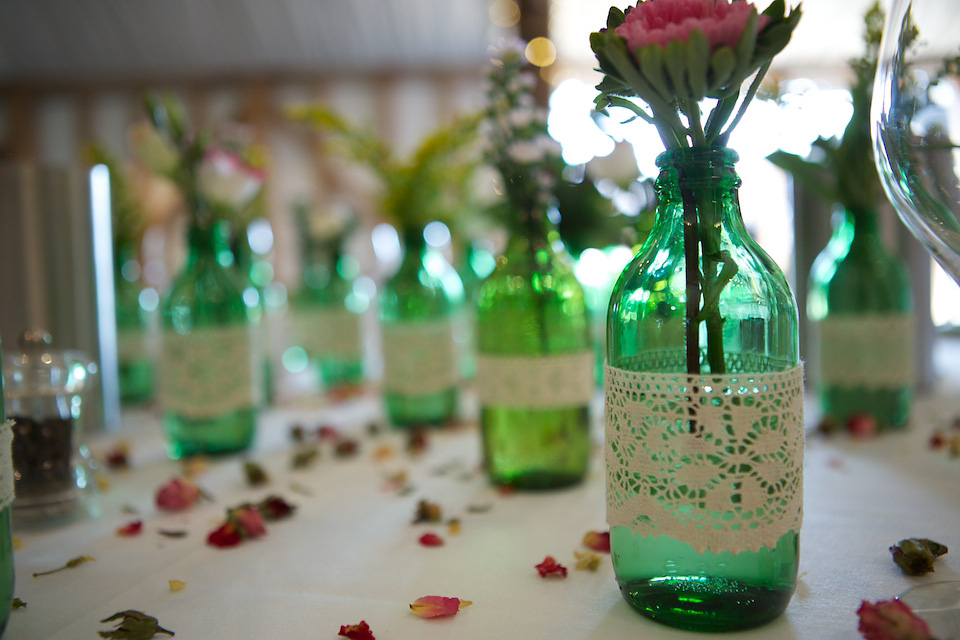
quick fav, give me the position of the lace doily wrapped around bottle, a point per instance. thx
(208, 371)
(419, 357)
(535, 381)
(715, 461)
(327, 332)
(6, 464)
(872, 351)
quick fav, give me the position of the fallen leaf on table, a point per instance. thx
(427, 512)
(176, 585)
(255, 474)
(18, 604)
(133, 625)
(587, 561)
(916, 555)
(75, 562)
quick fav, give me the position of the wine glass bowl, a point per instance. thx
(916, 122)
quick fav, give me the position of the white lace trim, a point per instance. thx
(6, 464)
(327, 332)
(419, 357)
(733, 482)
(535, 381)
(208, 371)
(874, 351)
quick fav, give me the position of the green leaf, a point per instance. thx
(698, 64)
(744, 50)
(651, 66)
(615, 18)
(674, 59)
(133, 625)
(722, 64)
(811, 175)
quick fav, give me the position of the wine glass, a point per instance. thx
(916, 128)
(916, 118)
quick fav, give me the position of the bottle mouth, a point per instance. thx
(711, 156)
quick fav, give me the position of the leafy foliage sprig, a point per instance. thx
(431, 185)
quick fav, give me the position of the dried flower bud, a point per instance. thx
(916, 555)
(427, 512)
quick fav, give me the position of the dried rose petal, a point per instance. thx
(417, 442)
(438, 606)
(118, 456)
(587, 561)
(357, 631)
(248, 521)
(453, 526)
(131, 529)
(326, 432)
(862, 426)
(938, 440)
(431, 540)
(597, 541)
(891, 620)
(225, 536)
(550, 567)
(275, 508)
(346, 448)
(177, 494)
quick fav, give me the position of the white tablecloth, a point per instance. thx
(351, 553)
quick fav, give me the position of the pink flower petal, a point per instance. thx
(597, 541)
(550, 567)
(662, 21)
(431, 540)
(437, 606)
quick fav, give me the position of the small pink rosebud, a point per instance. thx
(226, 178)
(249, 521)
(177, 494)
(891, 620)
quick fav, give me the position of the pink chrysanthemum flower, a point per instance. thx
(663, 21)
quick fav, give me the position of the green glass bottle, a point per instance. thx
(860, 305)
(208, 364)
(253, 275)
(704, 411)
(326, 314)
(6, 527)
(417, 309)
(134, 355)
(535, 374)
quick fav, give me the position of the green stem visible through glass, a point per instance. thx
(701, 237)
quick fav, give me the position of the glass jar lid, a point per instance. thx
(38, 369)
